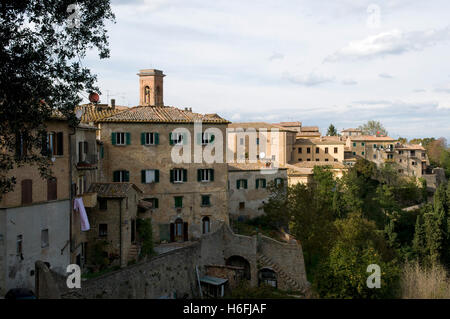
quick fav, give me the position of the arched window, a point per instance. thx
(206, 225)
(147, 94)
(268, 277)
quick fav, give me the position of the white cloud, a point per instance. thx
(385, 76)
(349, 82)
(392, 42)
(310, 79)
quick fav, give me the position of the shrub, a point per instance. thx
(418, 282)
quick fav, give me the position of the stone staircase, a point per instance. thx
(133, 253)
(266, 261)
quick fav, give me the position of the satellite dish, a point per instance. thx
(78, 114)
(53, 159)
(94, 97)
(262, 155)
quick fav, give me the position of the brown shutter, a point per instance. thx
(27, 191)
(172, 232)
(52, 189)
(185, 231)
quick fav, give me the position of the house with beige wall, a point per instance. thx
(35, 216)
(160, 149)
(323, 149)
(248, 187)
(411, 159)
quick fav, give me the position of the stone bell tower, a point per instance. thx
(151, 87)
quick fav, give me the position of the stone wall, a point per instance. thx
(174, 273)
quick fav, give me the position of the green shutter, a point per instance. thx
(184, 175)
(156, 176)
(212, 138)
(245, 183)
(257, 183)
(156, 203)
(264, 183)
(143, 138)
(170, 139)
(143, 177)
(116, 176)
(156, 138)
(128, 136)
(211, 175)
(102, 151)
(126, 177)
(199, 175)
(171, 175)
(237, 184)
(113, 138)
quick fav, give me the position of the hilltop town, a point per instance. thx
(154, 195)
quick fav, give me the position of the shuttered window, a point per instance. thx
(121, 176)
(149, 176)
(27, 191)
(52, 189)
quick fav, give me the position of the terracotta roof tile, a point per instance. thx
(259, 125)
(162, 114)
(112, 190)
(92, 112)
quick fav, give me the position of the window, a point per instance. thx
(206, 200)
(326, 150)
(335, 150)
(120, 138)
(52, 189)
(21, 146)
(205, 175)
(400, 160)
(121, 176)
(374, 156)
(44, 238)
(354, 144)
(413, 163)
(103, 230)
(374, 145)
(308, 150)
(149, 176)
(241, 183)
(178, 175)
(206, 225)
(326, 160)
(300, 159)
(317, 150)
(81, 185)
(362, 153)
(149, 138)
(82, 151)
(335, 160)
(242, 205)
(241, 141)
(274, 157)
(278, 181)
(27, 191)
(308, 160)
(354, 153)
(300, 150)
(390, 156)
(178, 201)
(413, 153)
(257, 141)
(19, 246)
(153, 201)
(177, 138)
(205, 138)
(54, 144)
(363, 144)
(260, 183)
(102, 204)
(147, 95)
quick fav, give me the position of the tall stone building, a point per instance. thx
(160, 149)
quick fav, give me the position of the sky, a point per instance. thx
(319, 62)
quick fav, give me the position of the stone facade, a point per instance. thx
(247, 201)
(324, 149)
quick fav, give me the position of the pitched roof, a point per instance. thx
(247, 166)
(310, 129)
(410, 147)
(162, 114)
(112, 190)
(92, 112)
(259, 125)
(370, 138)
(297, 123)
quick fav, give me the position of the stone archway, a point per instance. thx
(239, 261)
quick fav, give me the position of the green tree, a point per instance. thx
(42, 48)
(145, 232)
(373, 128)
(332, 131)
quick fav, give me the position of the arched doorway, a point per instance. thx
(239, 261)
(267, 276)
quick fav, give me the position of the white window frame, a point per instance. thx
(154, 176)
(205, 175)
(178, 175)
(150, 138)
(177, 138)
(121, 138)
(206, 138)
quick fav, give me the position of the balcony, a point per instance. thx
(89, 162)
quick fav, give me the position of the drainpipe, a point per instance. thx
(120, 230)
(70, 191)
